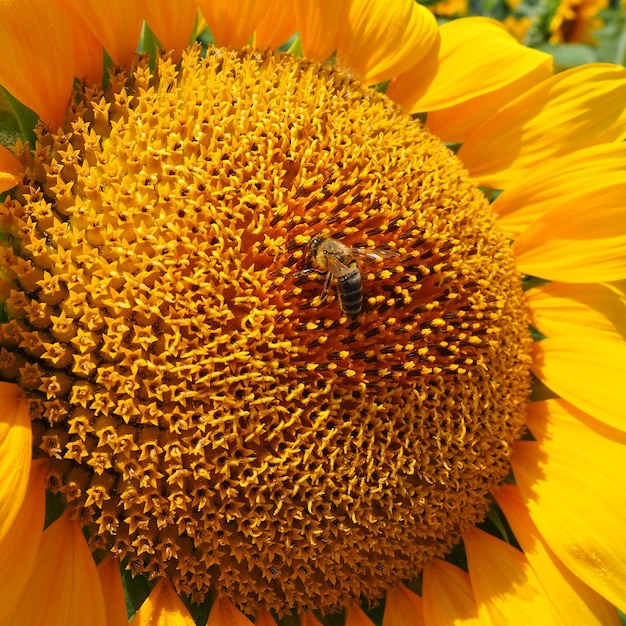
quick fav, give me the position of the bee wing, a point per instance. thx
(373, 255)
(337, 268)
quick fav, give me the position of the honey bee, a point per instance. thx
(331, 258)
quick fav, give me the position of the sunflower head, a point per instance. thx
(204, 412)
(269, 327)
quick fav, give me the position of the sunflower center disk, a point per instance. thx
(206, 413)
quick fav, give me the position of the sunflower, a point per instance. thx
(448, 8)
(518, 26)
(320, 322)
(575, 21)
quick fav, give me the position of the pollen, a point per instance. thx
(206, 414)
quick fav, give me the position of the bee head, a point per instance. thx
(313, 248)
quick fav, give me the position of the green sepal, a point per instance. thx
(136, 590)
(17, 121)
(296, 48)
(495, 518)
(149, 44)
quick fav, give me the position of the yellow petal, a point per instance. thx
(596, 312)
(455, 123)
(64, 589)
(35, 58)
(115, 23)
(504, 582)
(562, 309)
(88, 57)
(277, 25)
(15, 453)
(403, 608)
(379, 39)
(20, 543)
(224, 612)
(318, 25)
(573, 481)
(573, 600)
(470, 47)
(587, 370)
(573, 110)
(232, 22)
(355, 616)
(549, 187)
(448, 597)
(572, 243)
(113, 590)
(578, 245)
(165, 608)
(171, 22)
(11, 170)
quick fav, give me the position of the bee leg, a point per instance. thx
(309, 270)
(324, 296)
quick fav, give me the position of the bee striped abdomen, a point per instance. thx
(350, 289)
